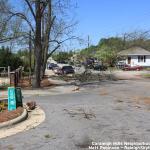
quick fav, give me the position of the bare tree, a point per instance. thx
(46, 28)
(136, 38)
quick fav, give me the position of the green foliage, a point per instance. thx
(63, 56)
(3, 106)
(113, 43)
(107, 56)
(107, 48)
(89, 52)
(24, 56)
(7, 58)
(105, 51)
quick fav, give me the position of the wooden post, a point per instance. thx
(8, 71)
(9, 75)
(16, 78)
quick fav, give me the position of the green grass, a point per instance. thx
(147, 69)
(3, 106)
(146, 75)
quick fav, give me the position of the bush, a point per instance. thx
(3, 106)
(7, 58)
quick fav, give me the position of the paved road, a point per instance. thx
(105, 112)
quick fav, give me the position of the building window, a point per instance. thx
(144, 58)
(141, 58)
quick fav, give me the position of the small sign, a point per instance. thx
(11, 99)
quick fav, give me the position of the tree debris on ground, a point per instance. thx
(87, 114)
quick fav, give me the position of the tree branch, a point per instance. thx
(31, 9)
(22, 16)
(4, 40)
(60, 42)
(53, 50)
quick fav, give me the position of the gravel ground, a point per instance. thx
(112, 111)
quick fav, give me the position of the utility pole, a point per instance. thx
(88, 41)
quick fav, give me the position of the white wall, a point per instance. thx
(51, 60)
(134, 61)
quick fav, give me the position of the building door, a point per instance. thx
(129, 60)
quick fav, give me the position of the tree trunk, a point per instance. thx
(44, 66)
(37, 71)
(38, 48)
(44, 60)
(46, 38)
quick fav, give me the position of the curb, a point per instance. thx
(35, 118)
(19, 119)
(3, 99)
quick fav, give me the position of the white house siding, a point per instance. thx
(134, 61)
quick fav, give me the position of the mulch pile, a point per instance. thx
(25, 84)
(9, 115)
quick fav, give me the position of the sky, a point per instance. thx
(106, 18)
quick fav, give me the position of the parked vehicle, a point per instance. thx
(100, 67)
(64, 70)
(51, 66)
(67, 69)
(121, 64)
(57, 71)
(130, 68)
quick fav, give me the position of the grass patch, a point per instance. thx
(147, 69)
(146, 75)
(3, 106)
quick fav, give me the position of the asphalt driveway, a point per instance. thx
(111, 111)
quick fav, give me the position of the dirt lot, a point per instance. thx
(111, 111)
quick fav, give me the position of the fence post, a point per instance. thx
(12, 78)
(16, 78)
(8, 71)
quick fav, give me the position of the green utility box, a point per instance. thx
(18, 94)
(14, 98)
(11, 99)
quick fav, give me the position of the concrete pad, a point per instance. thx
(42, 92)
(35, 118)
(49, 72)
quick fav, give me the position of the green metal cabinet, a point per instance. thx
(18, 97)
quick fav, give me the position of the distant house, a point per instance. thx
(136, 56)
(51, 60)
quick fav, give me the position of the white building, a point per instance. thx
(136, 56)
(51, 60)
